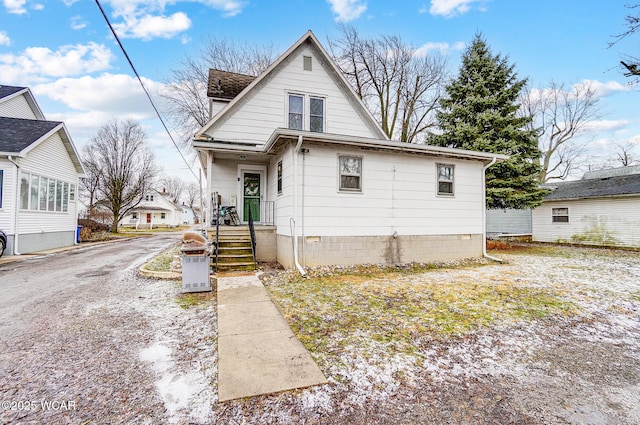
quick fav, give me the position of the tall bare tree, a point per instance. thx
(175, 186)
(186, 90)
(560, 114)
(122, 165)
(400, 86)
(192, 194)
(631, 64)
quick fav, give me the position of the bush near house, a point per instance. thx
(92, 229)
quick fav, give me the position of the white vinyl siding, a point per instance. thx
(266, 108)
(8, 207)
(49, 160)
(17, 107)
(399, 195)
(616, 220)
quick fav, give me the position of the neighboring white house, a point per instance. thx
(601, 209)
(298, 147)
(188, 215)
(155, 210)
(39, 173)
(509, 222)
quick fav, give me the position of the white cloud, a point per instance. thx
(606, 125)
(603, 89)
(78, 23)
(4, 39)
(148, 27)
(38, 64)
(15, 6)
(442, 47)
(95, 100)
(347, 10)
(450, 8)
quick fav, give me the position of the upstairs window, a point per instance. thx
(295, 111)
(445, 179)
(350, 173)
(559, 215)
(316, 114)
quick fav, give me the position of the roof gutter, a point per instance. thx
(484, 211)
(292, 221)
(17, 199)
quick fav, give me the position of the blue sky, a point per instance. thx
(63, 50)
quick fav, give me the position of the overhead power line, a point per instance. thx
(126, 55)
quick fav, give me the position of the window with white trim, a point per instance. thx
(350, 169)
(559, 215)
(163, 215)
(38, 193)
(296, 109)
(316, 114)
(445, 179)
(279, 177)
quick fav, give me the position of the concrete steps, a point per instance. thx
(234, 249)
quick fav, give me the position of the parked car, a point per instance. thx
(3, 242)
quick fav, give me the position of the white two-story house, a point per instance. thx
(298, 147)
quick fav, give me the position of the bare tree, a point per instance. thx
(186, 91)
(192, 194)
(399, 86)
(175, 186)
(123, 166)
(560, 115)
(90, 183)
(631, 64)
(625, 154)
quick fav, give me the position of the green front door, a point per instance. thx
(251, 196)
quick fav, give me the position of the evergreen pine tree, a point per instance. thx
(478, 112)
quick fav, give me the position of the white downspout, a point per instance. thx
(292, 221)
(484, 212)
(17, 198)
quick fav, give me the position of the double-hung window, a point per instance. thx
(559, 215)
(350, 173)
(296, 110)
(306, 112)
(445, 179)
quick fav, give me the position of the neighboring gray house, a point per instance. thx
(39, 173)
(508, 222)
(604, 210)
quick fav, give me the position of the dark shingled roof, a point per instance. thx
(595, 188)
(16, 134)
(226, 85)
(9, 90)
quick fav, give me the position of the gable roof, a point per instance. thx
(226, 85)
(18, 136)
(310, 38)
(9, 92)
(628, 185)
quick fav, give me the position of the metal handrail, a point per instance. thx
(252, 232)
(215, 248)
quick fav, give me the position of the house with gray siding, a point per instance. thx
(298, 148)
(39, 174)
(603, 208)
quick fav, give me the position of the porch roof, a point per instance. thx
(286, 135)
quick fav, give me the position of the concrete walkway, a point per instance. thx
(257, 351)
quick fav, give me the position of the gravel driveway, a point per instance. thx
(128, 353)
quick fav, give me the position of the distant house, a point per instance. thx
(155, 210)
(188, 215)
(39, 174)
(298, 148)
(508, 222)
(603, 208)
